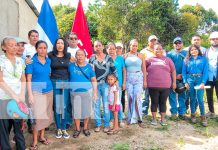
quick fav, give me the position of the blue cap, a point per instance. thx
(177, 39)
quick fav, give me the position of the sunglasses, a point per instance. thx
(73, 38)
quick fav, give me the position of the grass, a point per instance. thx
(120, 146)
(154, 148)
(181, 142)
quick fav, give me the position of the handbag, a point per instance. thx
(180, 87)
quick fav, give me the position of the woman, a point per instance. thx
(12, 86)
(84, 85)
(60, 60)
(121, 72)
(103, 65)
(195, 75)
(161, 77)
(40, 92)
(135, 82)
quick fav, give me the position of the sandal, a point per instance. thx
(86, 132)
(76, 133)
(111, 132)
(33, 147)
(45, 141)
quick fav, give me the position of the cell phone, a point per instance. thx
(27, 56)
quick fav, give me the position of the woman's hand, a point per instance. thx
(95, 96)
(201, 86)
(72, 59)
(186, 85)
(145, 84)
(28, 61)
(123, 86)
(113, 108)
(16, 97)
(31, 99)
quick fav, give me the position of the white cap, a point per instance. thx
(213, 35)
(152, 37)
(119, 44)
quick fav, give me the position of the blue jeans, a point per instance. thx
(103, 90)
(61, 101)
(120, 112)
(181, 110)
(145, 103)
(196, 94)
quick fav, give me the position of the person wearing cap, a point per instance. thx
(148, 52)
(119, 49)
(20, 47)
(177, 55)
(212, 56)
(12, 86)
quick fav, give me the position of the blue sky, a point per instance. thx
(205, 3)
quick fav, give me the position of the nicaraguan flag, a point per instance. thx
(46, 25)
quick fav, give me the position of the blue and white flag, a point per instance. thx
(46, 25)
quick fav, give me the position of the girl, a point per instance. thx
(195, 73)
(114, 102)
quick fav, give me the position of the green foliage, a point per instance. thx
(120, 146)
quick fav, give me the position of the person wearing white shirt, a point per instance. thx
(196, 40)
(30, 49)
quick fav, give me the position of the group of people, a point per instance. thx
(64, 85)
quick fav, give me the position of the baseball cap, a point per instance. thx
(152, 37)
(177, 39)
(19, 40)
(213, 35)
(119, 44)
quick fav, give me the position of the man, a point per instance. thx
(20, 47)
(177, 55)
(212, 56)
(196, 40)
(73, 44)
(119, 49)
(148, 52)
(30, 49)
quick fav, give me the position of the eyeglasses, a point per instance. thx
(178, 43)
(73, 38)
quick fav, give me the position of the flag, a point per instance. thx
(46, 25)
(80, 27)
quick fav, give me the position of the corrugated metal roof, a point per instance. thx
(32, 6)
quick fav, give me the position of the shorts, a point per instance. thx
(117, 107)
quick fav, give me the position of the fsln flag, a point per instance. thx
(46, 25)
(80, 27)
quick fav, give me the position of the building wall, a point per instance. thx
(17, 18)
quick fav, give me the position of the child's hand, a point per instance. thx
(113, 108)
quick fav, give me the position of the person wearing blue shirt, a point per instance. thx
(119, 64)
(177, 55)
(195, 75)
(83, 87)
(40, 92)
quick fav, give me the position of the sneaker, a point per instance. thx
(210, 115)
(58, 134)
(65, 134)
(182, 117)
(193, 118)
(154, 122)
(106, 129)
(122, 124)
(97, 129)
(163, 123)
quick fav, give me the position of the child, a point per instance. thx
(113, 99)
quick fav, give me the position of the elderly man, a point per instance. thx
(212, 56)
(177, 55)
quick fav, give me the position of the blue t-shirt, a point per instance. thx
(78, 82)
(119, 64)
(40, 74)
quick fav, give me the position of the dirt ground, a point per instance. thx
(178, 135)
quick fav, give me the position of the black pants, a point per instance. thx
(123, 99)
(158, 98)
(209, 92)
(5, 128)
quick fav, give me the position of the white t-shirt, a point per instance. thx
(29, 50)
(72, 51)
(113, 89)
(11, 75)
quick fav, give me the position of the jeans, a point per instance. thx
(145, 103)
(196, 94)
(61, 100)
(103, 90)
(187, 102)
(209, 92)
(120, 112)
(181, 110)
